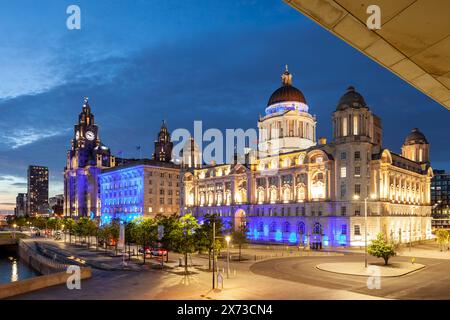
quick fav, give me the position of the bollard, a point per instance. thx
(180, 262)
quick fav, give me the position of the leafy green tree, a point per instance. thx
(184, 236)
(380, 248)
(169, 223)
(114, 233)
(68, 225)
(103, 234)
(204, 236)
(239, 237)
(145, 232)
(91, 230)
(442, 238)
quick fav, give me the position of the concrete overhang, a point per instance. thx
(413, 41)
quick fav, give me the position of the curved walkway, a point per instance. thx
(358, 269)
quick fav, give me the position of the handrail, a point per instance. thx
(42, 258)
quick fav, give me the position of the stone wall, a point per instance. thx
(24, 286)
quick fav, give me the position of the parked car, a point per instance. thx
(111, 242)
(156, 252)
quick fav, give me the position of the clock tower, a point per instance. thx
(163, 145)
(85, 160)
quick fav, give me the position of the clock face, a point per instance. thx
(90, 135)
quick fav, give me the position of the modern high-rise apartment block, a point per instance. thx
(440, 199)
(37, 190)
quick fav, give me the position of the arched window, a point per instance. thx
(287, 227)
(318, 186)
(273, 195)
(317, 228)
(273, 227)
(301, 228)
(261, 227)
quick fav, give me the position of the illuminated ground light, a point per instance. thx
(292, 237)
(278, 236)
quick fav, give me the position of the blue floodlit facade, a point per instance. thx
(122, 194)
(139, 188)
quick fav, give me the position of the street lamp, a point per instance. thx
(357, 197)
(227, 239)
(14, 233)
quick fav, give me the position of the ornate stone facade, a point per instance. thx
(85, 161)
(315, 194)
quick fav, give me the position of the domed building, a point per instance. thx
(287, 124)
(300, 190)
(416, 147)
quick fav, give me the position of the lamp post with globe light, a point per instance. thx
(357, 197)
(227, 239)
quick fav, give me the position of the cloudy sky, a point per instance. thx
(143, 61)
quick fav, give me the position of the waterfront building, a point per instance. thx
(56, 204)
(37, 195)
(440, 199)
(21, 208)
(142, 187)
(85, 161)
(303, 190)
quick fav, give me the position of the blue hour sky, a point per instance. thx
(143, 61)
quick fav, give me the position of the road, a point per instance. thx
(291, 277)
(432, 282)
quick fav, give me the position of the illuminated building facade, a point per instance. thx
(440, 199)
(300, 190)
(85, 161)
(142, 187)
(21, 209)
(37, 195)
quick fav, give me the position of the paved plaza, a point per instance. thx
(265, 273)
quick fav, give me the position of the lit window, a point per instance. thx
(355, 125)
(343, 172)
(344, 127)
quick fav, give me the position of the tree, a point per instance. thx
(380, 248)
(169, 223)
(239, 237)
(204, 235)
(103, 233)
(114, 233)
(184, 236)
(91, 230)
(68, 225)
(145, 232)
(129, 236)
(442, 238)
